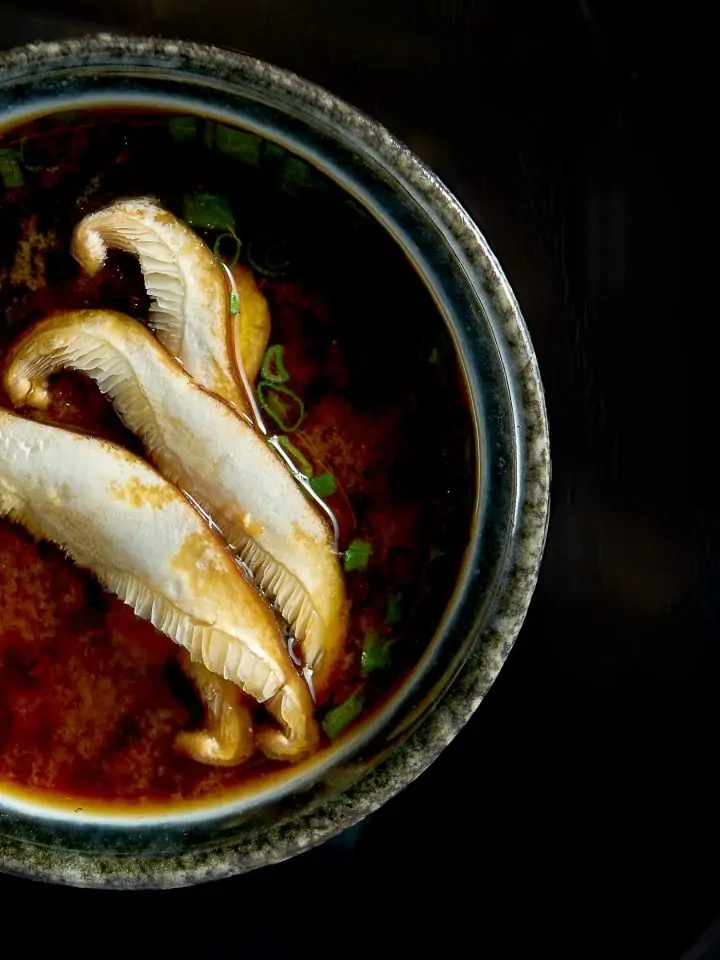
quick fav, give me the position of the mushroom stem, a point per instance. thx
(226, 739)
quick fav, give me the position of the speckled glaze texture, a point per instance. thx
(495, 349)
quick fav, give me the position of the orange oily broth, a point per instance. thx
(91, 697)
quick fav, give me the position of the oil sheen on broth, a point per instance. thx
(91, 697)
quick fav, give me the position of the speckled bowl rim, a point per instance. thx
(283, 840)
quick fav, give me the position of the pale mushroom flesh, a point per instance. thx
(198, 443)
(190, 310)
(118, 518)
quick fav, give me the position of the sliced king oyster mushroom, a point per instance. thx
(142, 539)
(190, 312)
(191, 302)
(227, 738)
(198, 443)
(254, 323)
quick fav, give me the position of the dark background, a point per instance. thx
(577, 813)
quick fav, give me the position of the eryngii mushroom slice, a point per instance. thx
(191, 300)
(198, 442)
(254, 322)
(117, 517)
(227, 738)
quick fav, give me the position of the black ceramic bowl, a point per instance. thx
(508, 487)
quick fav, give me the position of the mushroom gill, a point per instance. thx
(115, 516)
(226, 739)
(191, 304)
(198, 443)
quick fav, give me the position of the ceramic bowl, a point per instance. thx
(511, 497)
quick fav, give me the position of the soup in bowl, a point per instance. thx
(273, 485)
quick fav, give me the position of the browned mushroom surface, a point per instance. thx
(199, 443)
(114, 515)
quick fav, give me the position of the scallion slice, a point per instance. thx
(280, 403)
(238, 144)
(340, 717)
(298, 458)
(395, 609)
(208, 211)
(273, 366)
(357, 555)
(10, 169)
(323, 484)
(375, 653)
(228, 240)
(183, 129)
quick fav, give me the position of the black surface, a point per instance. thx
(577, 814)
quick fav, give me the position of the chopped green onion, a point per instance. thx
(238, 144)
(337, 719)
(209, 135)
(300, 460)
(280, 403)
(273, 367)
(323, 484)
(234, 305)
(357, 555)
(395, 609)
(375, 653)
(183, 128)
(268, 257)
(237, 247)
(10, 169)
(295, 173)
(32, 167)
(208, 211)
(273, 150)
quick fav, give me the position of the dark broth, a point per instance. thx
(91, 698)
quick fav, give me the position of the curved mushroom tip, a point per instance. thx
(24, 392)
(226, 738)
(323, 652)
(277, 746)
(203, 747)
(318, 676)
(300, 735)
(88, 248)
(39, 396)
